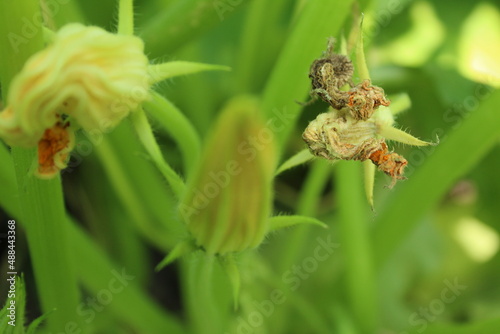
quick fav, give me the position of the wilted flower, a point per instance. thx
(359, 121)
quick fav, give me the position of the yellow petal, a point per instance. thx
(88, 73)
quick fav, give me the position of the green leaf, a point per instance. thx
(458, 152)
(180, 23)
(279, 222)
(298, 159)
(288, 82)
(478, 327)
(261, 39)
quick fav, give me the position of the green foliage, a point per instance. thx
(423, 259)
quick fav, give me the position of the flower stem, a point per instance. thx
(178, 126)
(126, 17)
(128, 196)
(145, 133)
(42, 205)
(307, 204)
(43, 215)
(355, 243)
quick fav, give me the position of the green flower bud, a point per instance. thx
(227, 204)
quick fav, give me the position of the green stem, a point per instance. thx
(43, 216)
(355, 244)
(146, 136)
(288, 81)
(307, 204)
(59, 13)
(41, 201)
(182, 21)
(146, 182)
(126, 17)
(259, 43)
(178, 126)
(95, 269)
(200, 302)
(131, 304)
(128, 196)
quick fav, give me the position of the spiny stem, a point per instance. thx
(145, 133)
(126, 17)
(42, 204)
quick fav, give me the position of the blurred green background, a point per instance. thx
(424, 260)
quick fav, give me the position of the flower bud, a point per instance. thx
(227, 205)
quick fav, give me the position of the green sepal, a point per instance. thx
(297, 159)
(172, 69)
(369, 175)
(182, 248)
(388, 132)
(37, 322)
(279, 222)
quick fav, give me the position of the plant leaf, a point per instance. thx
(288, 81)
(459, 152)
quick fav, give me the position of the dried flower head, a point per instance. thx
(352, 130)
(336, 137)
(331, 73)
(364, 100)
(390, 163)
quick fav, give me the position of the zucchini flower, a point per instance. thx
(227, 205)
(87, 77)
